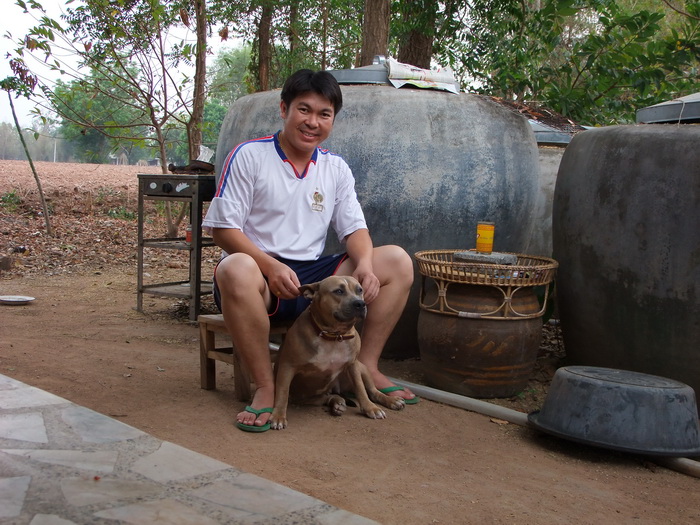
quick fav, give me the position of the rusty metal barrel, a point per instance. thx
(480, 325)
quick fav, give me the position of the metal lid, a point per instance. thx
(685, 109)
(374, 74)
(377, 73)
(549, 135)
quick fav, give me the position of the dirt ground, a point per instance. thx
(430, 463)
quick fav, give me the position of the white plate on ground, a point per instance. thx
(15, 299)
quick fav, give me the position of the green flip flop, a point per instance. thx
(389, 389)
(255, 428)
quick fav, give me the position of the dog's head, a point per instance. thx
(336, 299)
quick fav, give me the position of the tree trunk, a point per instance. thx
(194, 126)
(417, 49)
(292, 35)
(375, 30)
(44, 207)
(265, 46)
(324, 34)
(416, 45)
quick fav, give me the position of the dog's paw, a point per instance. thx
(392, 402)
(337, 405)
(395, 403)
(278, 422)
(374, 412)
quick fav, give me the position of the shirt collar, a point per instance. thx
(284, 158)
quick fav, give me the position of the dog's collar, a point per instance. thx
(330, 336)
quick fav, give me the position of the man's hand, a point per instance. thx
(368, 281)
(360, 251)
(282, 281)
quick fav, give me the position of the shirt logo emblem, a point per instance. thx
(317, 204)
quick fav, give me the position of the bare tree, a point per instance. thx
(194, 125)
(23, 83)
(133, 62)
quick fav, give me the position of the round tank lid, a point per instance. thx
(549, 135)
(685, 109)
(374, 74)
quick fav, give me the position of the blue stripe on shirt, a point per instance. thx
(225, 169)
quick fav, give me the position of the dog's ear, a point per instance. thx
(309, 290)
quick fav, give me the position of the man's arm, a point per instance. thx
(360, 250)
(280, 277)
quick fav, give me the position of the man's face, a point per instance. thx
(307, 122)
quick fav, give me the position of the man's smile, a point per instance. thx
(309, 134)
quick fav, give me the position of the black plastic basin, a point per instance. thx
(621, 410)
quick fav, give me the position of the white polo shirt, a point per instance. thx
(284, 213)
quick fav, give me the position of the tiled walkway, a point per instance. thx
(61, 464)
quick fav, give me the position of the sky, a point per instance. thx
(17, 23)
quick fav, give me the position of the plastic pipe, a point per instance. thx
(468, 403)
(682, 465)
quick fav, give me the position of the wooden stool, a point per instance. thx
(209, 326)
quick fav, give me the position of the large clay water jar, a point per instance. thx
(480, 327)
(626, 232)
(428, 166)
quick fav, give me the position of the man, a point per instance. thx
(275, 200)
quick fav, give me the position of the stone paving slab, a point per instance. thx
(64, 464)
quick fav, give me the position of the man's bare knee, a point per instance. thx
(395, 263)
(238, 272)
(403, 261)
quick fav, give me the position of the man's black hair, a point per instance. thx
(319, 82)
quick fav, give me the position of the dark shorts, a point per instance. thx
(307, 272)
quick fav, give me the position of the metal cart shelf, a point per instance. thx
(192, 189)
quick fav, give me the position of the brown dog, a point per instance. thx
(320, 348)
